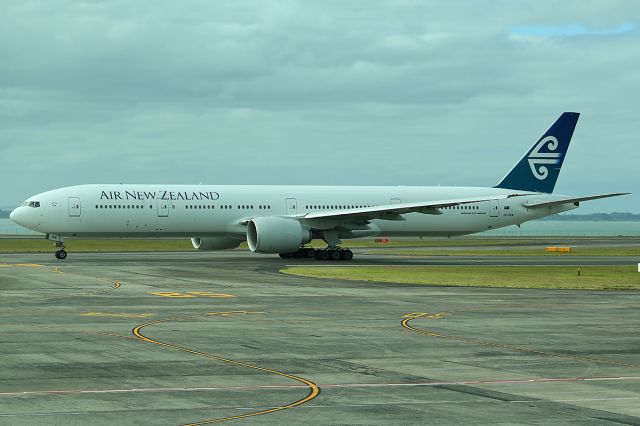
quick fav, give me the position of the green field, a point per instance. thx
(546, 277)
(515, 251)
(469, 246)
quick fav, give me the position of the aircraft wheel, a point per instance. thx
(299, 254)
(346, 254)
(285, 255)
(322, 254)
(61, 254)
(309, 252)
(334, 254)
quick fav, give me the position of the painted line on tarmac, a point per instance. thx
(471, 401)
(449, 264)
(411, 316)
(372, 404)
(329, 385)
(115, 284)
(314, 390)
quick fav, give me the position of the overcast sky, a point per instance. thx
(316, 92)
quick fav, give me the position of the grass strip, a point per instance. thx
(575, 251)
(541, 277)
(437, 247)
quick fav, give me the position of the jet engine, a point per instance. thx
(215, 243)
(276, 235)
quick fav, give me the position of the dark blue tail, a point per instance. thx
(538, 170)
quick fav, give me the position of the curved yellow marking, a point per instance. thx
(173, 294)
(231, 313)
(114, 315)
(114, 284)
(191, 294)
(410, 317)
(26, 265)
(314, 390)
(436, 315)
(211, 294)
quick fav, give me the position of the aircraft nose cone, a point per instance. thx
(17, 215)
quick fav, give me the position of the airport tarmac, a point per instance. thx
(192, 338)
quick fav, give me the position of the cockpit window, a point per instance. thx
(33, 203)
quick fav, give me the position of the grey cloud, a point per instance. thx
(398, 92)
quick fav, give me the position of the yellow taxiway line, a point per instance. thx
(314, 390)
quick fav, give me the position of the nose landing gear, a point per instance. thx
(61, 253)
(59, 243)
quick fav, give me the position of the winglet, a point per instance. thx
(538, 170)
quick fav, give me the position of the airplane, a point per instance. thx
(283, 219)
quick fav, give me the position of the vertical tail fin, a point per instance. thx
(538, 170)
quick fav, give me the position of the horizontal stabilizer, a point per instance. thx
(566, 200)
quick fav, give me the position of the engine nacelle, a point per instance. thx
(215, 243)
(276, 235)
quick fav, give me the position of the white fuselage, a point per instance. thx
(99, 211)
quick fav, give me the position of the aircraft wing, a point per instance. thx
(394, 211)
(565, 200)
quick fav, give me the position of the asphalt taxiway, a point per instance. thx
(194, 338)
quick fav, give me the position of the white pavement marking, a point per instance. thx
(372, 404)
(325, 386)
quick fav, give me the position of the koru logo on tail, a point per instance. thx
(538, 161)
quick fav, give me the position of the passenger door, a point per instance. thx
(74, 207)
(163, 208)
(494, 206)
(292, 207)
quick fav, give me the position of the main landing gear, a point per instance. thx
(59, 243)
(302, 253)
(335, 253)
(330, 253)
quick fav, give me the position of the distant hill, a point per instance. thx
(595, 217)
